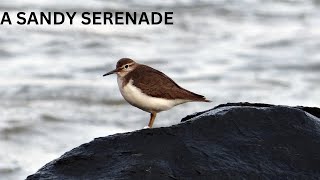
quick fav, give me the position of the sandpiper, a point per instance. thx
(149, 89)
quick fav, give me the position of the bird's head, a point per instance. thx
(124, 66)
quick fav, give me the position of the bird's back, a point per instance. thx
(156, 84)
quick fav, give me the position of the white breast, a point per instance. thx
(140, 100)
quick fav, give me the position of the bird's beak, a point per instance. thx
(112, 72)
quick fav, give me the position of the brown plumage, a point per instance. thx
(124, 61)
(156, 84)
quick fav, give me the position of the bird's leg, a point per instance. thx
(152, 118)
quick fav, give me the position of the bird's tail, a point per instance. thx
(206, 100)
(203, 99)
(197, 97)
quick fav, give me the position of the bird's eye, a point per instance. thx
(126, 66)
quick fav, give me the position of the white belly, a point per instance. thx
(135, 97)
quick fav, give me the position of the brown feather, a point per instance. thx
(156, 84)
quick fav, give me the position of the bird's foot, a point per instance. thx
(146, 127)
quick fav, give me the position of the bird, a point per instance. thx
(149, 89)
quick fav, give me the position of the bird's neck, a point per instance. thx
(122, 81)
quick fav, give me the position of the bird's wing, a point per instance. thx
(156, 84)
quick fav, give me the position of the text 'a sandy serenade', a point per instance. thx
(87, 18)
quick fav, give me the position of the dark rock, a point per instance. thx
(231, 141)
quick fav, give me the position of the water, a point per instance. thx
(54, 98)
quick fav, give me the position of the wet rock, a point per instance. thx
(230, 141)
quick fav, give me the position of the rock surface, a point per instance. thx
(239, 140)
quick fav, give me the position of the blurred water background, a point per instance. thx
(54, 98)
